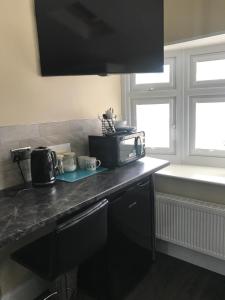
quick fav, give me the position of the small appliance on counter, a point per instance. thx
(118, 149)
(43, 166)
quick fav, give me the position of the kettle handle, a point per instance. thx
(54, 159)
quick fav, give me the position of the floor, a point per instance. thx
(173, 279)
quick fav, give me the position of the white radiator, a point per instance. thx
(190, 223)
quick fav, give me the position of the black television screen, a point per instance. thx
(78, 37)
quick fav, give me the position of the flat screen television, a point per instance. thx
(84, 37)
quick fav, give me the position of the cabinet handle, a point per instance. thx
(132, 204)
(51, 296)
(143, 184)
(80, 217)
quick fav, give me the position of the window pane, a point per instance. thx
(210, 70)
(154, 119)
(210, 126)
(150, 78)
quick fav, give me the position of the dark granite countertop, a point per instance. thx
(24, 212)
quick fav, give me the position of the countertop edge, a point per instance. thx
(21, 234)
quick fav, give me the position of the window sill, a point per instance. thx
(195, 173)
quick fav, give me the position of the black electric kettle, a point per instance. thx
(43, 166)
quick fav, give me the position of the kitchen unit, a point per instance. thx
(28, 212)
(130, 250)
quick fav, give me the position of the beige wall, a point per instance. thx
(26, 97)
(187, 19)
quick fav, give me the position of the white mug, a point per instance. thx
(82, 161)
(69, 162)
(92, 163)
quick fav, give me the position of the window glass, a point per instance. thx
(210, 126)
(210, 70)
(152, 78)
(154, 119)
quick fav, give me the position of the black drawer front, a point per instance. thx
(70, 244)
(80, 238)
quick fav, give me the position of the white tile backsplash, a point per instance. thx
(19, 132)
(61, 148)
(74, 132)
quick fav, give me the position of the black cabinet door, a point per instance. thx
(130, 238)
(114, 272)
(130, 215)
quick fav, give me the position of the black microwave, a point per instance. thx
(117, 150)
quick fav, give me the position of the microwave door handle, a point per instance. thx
(139, 146)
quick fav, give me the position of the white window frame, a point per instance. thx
(157, 86)
(129, 95)
(192, 121)
(172, 124)
(198, 90)
(194, 59)
(184, 92)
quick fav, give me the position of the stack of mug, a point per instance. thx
(67, 162)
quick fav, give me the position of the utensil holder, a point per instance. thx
(108, 127)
